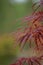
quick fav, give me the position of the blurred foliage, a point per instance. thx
(7, 45)
(7, 51)
(9, 13)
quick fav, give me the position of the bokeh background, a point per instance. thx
(10, 13)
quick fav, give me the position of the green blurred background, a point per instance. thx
(10, 11)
